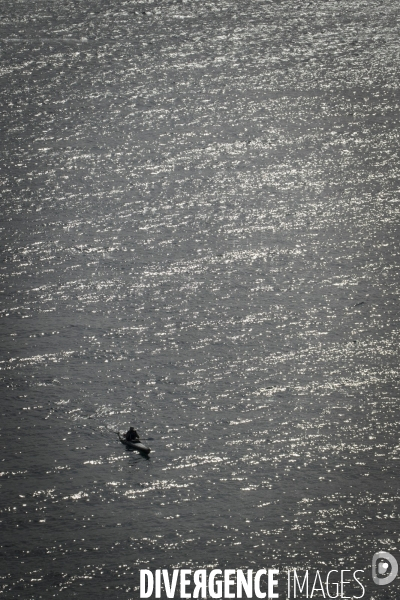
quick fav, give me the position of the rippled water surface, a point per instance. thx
(199, 236)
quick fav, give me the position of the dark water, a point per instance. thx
(200, 236)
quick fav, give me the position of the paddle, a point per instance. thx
(137, 440)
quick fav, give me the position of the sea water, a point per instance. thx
(200, 238)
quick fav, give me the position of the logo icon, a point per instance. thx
(384, 568)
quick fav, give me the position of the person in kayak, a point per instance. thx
(131, 435)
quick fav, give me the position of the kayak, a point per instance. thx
(136, 445)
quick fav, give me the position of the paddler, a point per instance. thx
(131, 435)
